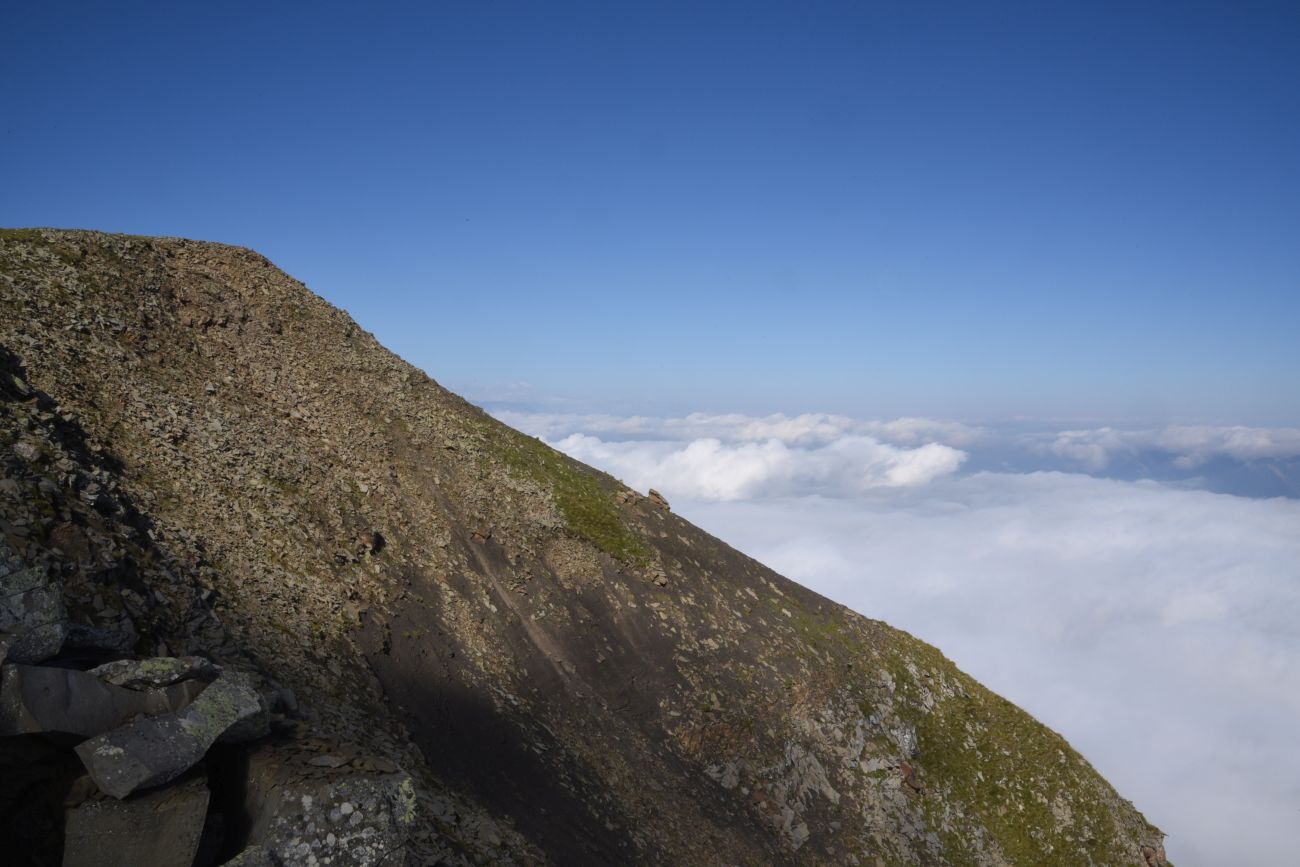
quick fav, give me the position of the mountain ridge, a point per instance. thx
(569, 671)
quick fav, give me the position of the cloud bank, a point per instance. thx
(1156, 627)
(710, 469)
(1191, 445)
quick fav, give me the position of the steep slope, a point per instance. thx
(573, 674)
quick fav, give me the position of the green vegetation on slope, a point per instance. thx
(588, 507)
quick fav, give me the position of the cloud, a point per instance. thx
(807, 429)
(1093, 449)
(1191, 445)
(1156, 627)
(709, 469)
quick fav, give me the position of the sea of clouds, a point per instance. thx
(1104, 579)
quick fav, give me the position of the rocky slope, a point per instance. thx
(510, 656)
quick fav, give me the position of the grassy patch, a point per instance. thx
(1005, 769)
(588, 507)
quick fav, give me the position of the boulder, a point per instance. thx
(657, 499)
(155, 750)
(35, 699)
(156, 671)
(156, 829)
(311, 814)
(32, 614)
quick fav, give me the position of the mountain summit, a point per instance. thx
(327, 612)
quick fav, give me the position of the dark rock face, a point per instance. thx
(157, 829)
(245, 545)
(32, 616)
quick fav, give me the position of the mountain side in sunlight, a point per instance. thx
(204, 461)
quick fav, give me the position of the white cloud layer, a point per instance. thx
(808, 429)
(709, 469)
(1157, 628)
(1192, 445)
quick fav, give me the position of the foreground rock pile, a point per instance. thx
(269, 595)
(157, 761)
(142, 793)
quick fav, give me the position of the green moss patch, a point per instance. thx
(587, 505)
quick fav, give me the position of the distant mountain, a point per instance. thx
(265, 563)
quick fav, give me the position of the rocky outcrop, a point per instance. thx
(155, 750)
(32, 617)
(490, 652)
(107, 764)
(327, 807)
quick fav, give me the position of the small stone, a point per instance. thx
(327, 761)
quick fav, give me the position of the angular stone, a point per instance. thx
(157, 829)
(156, 750)
(342, 816)
(60, 700)
(156, 671)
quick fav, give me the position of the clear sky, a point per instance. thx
(720, 248)
(968, 210)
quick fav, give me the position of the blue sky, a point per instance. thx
(962, 210)
(983, 318)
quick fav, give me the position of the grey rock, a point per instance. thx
(157, 829)
(32, 612)
(59, 700)
(156, 750)
(155, 671)
(255, 715)
(328, 761)
(22, 580)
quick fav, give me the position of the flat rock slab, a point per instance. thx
(157, 829)
(155, 671)
(34, 699)
(156, 750)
